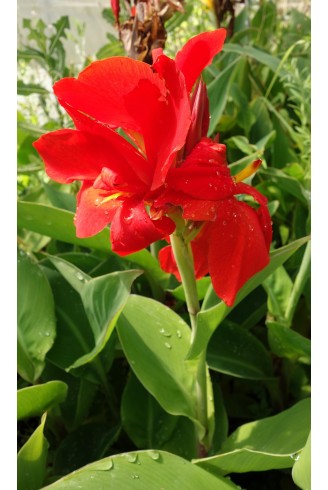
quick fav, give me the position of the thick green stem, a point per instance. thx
(184, 259)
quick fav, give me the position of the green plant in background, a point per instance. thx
(79, 356)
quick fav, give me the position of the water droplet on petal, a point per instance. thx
(128, 217)
(224, 222)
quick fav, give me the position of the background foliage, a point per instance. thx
(101, 346)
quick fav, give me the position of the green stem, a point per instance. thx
(184, 259)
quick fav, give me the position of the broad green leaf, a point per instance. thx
(59, 224)
(144, 470)
(278, 287)
(201, 284)
(103, 299)
(234, 351)
(289, 344)
(60, 199)
(32, 459)
(221, 419)
(143, 419)
(87, 443)
(214, 310)
(265, 444)
(301, 471)
(183, 442)
(36, 318)
(155, 341)
(80, 397)
(287, 184)
(35, 400)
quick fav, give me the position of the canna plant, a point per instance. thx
(158, 205)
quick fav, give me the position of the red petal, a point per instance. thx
(72, 155)
(91, 215)
(78, 155)
(132, 229)
(201, 183)
(101, 91)
(199, 247)
(197, 53)
(262, 212)
(128, 154)
(126, 93)
(237, 248)
(173, 122)
(167, 261)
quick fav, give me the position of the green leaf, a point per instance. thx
(301, 471)
(257, 54)
(103, 299)
(287, 184)
(265, 444)
(202, 286)
(35, 400)
(30, 88)
(155, 341)
(278, 287)
(60, 25)
(31, 460)
(143, 419)
(89, 442)
(36, 318)
(214, 310)
(218, 91)
(144, 470)
(234, 351)
(289, 344)
(59, 224)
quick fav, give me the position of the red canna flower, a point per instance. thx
(120, 180)
(231, 238)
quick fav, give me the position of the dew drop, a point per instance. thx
(97, 201)
(167, 345)
(135, 477)
(47, 334)
(224, 222)
(154, 455)
(165, 333)
(128, 217)
(179, 334)
(131, 457)
(79, 276)
(295, 456)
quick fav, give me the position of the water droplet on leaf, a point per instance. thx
(167, 345)
(154, 455)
